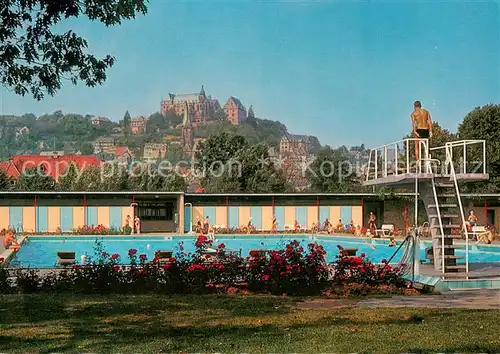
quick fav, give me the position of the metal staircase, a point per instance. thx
(439, 190)
(445, 216)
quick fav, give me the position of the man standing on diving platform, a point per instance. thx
(422, 125)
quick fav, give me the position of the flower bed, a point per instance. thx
(292, 271)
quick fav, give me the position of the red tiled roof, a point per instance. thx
(54, 165)
(9, 169)
(120, 150)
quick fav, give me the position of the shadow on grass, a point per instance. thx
(211, 323)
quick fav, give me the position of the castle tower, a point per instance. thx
(202, 96)
(187, 135)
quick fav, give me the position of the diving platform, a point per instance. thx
(395, 164)
(435, 175)
(404, 179)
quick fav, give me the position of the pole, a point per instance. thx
(416, 201)
(486, 212)
(362, 213)
(84, 210)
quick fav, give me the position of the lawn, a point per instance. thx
(232, 324)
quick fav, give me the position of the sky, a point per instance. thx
(347, 72)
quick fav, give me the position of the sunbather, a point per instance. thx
(10, 242)
(486, 237)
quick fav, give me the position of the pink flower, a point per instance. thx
(265, 277)
(143, 257)
(114, 256)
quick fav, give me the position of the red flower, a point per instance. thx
(143, 257)
(114, 256)
(132, 252)
(167, 266)
(363, 255)
(384, 260)
(221, 246)
(116, 268)
(265, 277)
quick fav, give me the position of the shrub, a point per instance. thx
(357, 269)
(292, 270)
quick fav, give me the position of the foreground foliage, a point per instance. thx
(291, 271)
(232, 324)
(35, 58)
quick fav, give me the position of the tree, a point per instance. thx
(483, 123)
(35, 58)
(34, 179)
(331, 172)
(228, 161)
(86, 148)
(250, 114)
(67, 180)
(4, 181)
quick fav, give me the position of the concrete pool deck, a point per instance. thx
(473, 299)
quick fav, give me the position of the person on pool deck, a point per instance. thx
(472, 219)
(372, 223)
(206, 224)
(249, 225)
(486, 237)
(274, 224)
(422, 125)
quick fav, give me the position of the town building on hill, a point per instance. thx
(53, 166)
(22, 131)
(104, 145)
(138, 124)
(97, 121)
(52, 153)
(202, 108)
(235, 111)
(124, 155)
(154, 152)
(295, 145)
(187, 134)
(295, 150)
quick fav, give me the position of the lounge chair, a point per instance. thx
(476, 230)
(387, 230)
(66, 257)
(164, 256)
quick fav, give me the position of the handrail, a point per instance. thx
(455, 181)
(384, 160)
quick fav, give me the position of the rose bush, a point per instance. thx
(357, 269)
(293, 270)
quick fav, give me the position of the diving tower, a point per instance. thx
(436, 179)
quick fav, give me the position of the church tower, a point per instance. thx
(187, 135)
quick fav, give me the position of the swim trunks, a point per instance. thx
(424, 133)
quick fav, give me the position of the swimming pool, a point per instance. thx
(41, 251)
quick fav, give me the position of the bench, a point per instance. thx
(66, 257)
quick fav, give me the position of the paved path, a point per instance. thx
(472, 299)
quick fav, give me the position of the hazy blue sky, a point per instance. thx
(347, 72)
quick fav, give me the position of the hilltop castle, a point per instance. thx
(202, 108)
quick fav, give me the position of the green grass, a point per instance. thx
(232, 324)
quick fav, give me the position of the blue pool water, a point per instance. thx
(40, 252)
